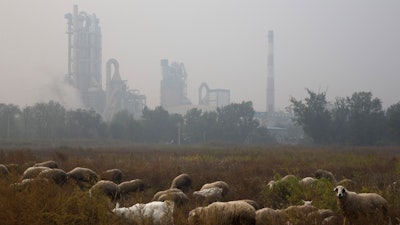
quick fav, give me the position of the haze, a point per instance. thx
(336, 46)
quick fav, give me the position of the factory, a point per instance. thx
(85, 70)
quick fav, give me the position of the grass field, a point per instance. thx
(246, 169)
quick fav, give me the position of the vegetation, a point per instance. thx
(246, 170)
(358, 120)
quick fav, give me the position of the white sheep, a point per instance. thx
(223, 213)
(360, 206)
(219, 184)
(308, 181)
(156, 213)
(208, 195)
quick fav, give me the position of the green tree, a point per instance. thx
(366, 119)
(313, 116)
(340, 122)
(236, 122)
(393, 121)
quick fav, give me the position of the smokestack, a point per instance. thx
(270, 76)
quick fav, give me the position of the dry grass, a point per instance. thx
(247, 170)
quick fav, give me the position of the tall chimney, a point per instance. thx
(270, 76)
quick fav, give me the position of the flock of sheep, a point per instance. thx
(211, 205)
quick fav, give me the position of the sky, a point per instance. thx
(337, 46)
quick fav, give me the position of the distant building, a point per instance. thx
(213, 97)
(173, 85)
(84, 69)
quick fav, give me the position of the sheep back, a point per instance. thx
(182, 182)
(33, 172)
(127, 187)
(223, 213)
(50, 164)
(58, 176)
(114, 175)
(220, 184)
(105, 187)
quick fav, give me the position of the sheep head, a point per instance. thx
(340, 191)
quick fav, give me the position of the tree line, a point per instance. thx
(358, 120)
(234, 123)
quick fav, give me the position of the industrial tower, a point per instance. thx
(84, 69)
(270, 76)
(173, 84)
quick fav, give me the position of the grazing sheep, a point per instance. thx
(307, 181)
(131, 186)
(223, 213)
(3, 171)
(319, 174)
(28, 184)
(178, 197)
(84, 177)
(286, 179)
(33, 172)
(331, 220)
(360, 206)
(346, 183)
(114, 175)
(155, 213)
(183, 182)
(220, 184)
(268, 216)
(171, 190)
(207, 196)
(58, 176)
(318, 216)
(50, 164)
(252, 203)
(105, 187)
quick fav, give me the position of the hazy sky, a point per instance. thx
(336, 45)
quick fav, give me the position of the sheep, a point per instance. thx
(58, 176)
(178, 197)
(3, 171)
(156, 212)
(252, 203)
(168, 191)
(318, 216)
(268, 216)
(127, 187)
(319, 174)
(28, 184)
(183, 182)
(32, 172)
(84, 177)
(223, 213)
(209, 195)
(286, 179)
(307, 181)
(50, 164)
(114, 175)
(220, 184)
(105, 187)
(355, 206)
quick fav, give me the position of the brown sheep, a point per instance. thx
(223, 213)
(183, 182)
(220, 184)
(84, 177)
(114, 175)
(58, 176)
(178, 197)
(105, 187)
(50, 164)
(158, 194)
(131, 186)
(32, 172)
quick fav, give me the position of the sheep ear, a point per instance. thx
(335, 190)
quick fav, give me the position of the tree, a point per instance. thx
(236, 121)
(366, 119)
(313, 116)
(123, 126)
(9, 120)
(340, 122)
(81, 123)
(393, 121)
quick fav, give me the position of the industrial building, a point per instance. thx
(213, 97)
(85, 66)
